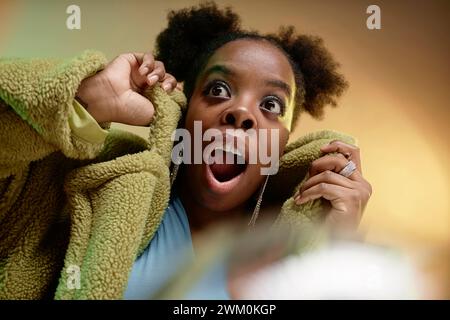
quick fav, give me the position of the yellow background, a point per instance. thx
(397, 104)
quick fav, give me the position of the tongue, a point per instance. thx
(226, 172)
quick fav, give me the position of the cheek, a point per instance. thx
(279, 142)
(197, 111)
(190, 116)
(284, 138)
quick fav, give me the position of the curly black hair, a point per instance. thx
(194, 34)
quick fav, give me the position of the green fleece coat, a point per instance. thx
(66, 203)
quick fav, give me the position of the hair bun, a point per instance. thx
(323, 83)
(188, 32)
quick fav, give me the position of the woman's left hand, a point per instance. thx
(347, 196)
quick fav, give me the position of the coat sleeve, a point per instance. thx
(38, 113)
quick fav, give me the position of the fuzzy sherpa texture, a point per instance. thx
(67, 204)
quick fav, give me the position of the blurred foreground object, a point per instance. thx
(268, 263)
(344, 270)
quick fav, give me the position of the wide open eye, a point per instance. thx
(273, 105)
(218, 89)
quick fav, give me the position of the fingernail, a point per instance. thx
(144, 70)
(167, 87)
(153, 79)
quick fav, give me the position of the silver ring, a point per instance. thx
(349, 168)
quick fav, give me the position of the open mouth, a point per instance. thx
(226, 170)
(233, 165)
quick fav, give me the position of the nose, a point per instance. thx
(240, 117)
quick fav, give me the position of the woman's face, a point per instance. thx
(246, 84)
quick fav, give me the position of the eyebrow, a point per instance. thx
(218, 68)
(280, 84)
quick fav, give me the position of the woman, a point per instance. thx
(232, 80)
(242, 81)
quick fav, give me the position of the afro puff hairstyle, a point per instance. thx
(194, 34)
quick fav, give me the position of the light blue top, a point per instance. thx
(166, 252)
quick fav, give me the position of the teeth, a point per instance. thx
(230, 149)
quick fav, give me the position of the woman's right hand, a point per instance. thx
(115, 93)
